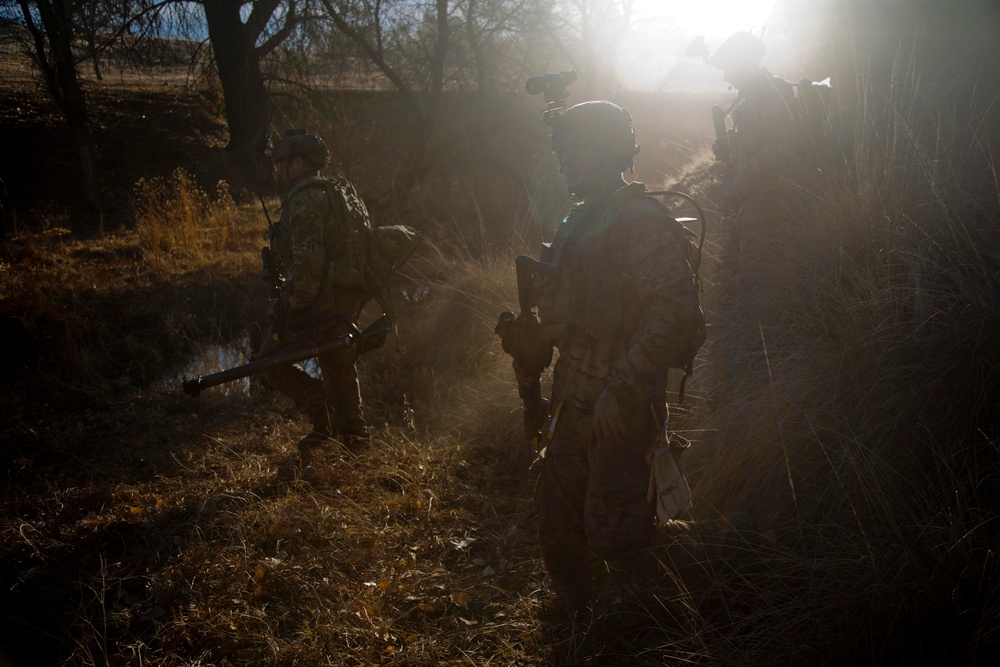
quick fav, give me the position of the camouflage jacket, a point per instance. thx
(768, 135)
(628, 294)
(319, 241)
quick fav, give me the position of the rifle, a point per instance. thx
(372, 338)
(522, 336)
(271, 270)
(530, 344)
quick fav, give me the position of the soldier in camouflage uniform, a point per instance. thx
(317, 245)
(765, 152)
(768, 167)
(629, 301)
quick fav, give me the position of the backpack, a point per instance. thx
(369, 253)
(686, 358)
(601, 304)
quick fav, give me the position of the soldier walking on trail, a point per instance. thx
(623, 300)
(317, 260)
(769, 148)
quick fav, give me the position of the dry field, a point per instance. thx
(143, 527)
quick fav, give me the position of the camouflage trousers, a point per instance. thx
(333, 405)
(591, 499)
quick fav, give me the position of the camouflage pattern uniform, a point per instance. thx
(321, 256)
(629, 297)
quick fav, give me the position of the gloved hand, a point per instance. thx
(609, 423)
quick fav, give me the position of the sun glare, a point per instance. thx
(661, 29)
(712, 18)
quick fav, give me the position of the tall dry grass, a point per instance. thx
(171, 531)
(860, 426)
(179, 224)
(121, 310)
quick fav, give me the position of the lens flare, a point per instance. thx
(659, 32)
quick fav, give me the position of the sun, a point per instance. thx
(712, 18)
(661, 29)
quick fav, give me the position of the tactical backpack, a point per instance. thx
(694, 255)
(363, 255)
(598, 303)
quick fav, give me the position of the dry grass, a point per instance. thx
(861, 426)
(179, 226)
(141, 527)
(157, 529)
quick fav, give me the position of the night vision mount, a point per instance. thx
(553, 88)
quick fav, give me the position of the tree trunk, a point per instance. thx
(92, 54)
(440, 52)
(237, 60)
(476, 43)
(58, 69)
(416, 162)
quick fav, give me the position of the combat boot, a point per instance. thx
(316, 438)
(349, 426)
(321, 435)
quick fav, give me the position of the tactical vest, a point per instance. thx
(345, 236)
(590, 292)
(358, 255)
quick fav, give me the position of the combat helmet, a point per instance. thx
(298, 141)
(597, 123)
(741, 48)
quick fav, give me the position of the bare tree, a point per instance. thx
(505, 40)
(408, 43)
(101, 23)
(51, 29)
(238, 45)
(590, 32)
(375, 26)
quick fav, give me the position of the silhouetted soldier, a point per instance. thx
(318, 252)
(767, 163)
(622, 298)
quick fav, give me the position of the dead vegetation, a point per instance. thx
(140, 526)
